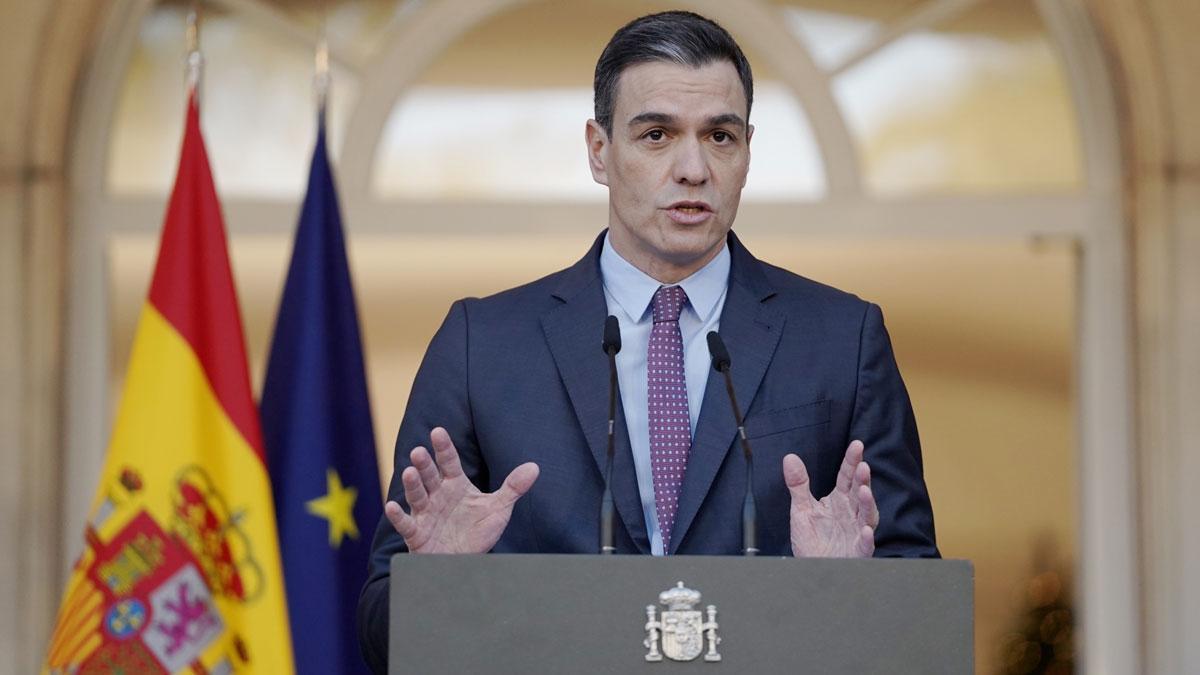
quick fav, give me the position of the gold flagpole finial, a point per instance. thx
(321, 77)
(195, 60)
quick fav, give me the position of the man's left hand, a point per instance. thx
(840, 525)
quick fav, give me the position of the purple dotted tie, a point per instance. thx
(670, 425)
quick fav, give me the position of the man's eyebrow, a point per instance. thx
(655, 117)
(664, 118)
(727, 118)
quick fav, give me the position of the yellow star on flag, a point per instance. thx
(337, 507)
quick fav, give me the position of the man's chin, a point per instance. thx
(686, 252)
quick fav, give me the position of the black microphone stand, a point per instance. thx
(612, 345)
(721, 363)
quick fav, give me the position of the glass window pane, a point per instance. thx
(359, 26)
(522, 144)
(978, 104)
(835, 29)
(500, 115)
(458, 142)
(785, 160)
(257, 105)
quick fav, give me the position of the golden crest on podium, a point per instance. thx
(680, 632)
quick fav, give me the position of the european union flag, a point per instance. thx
(316, 421)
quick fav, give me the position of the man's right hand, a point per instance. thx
(448, 513)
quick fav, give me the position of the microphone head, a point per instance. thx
(720, 355)
(612, 335)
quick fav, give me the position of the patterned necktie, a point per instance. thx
(667, 403)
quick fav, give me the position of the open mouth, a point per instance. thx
(690, 208)
(689, 213)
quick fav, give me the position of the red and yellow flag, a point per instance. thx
(180, 569)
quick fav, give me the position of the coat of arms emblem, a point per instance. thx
(680, 632)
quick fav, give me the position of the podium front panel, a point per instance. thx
(587, 614)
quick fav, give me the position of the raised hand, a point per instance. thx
(448, 513)
(840, 525)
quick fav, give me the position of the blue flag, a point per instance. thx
(316, 421)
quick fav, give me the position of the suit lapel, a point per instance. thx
(751, 331)
(573, 332)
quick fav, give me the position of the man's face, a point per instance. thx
(675, 164)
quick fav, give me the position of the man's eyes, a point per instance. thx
(719, 136)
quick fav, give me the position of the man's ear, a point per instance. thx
(749, 135)
(597, 149)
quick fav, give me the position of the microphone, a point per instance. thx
(611, 345)
(721, 363)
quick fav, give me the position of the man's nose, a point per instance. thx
(691, 166)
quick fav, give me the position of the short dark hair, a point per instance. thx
(685, 38)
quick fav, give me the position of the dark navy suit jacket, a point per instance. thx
(520, 376)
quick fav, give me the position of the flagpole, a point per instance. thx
(195, 60)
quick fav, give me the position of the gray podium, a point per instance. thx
(588, 614)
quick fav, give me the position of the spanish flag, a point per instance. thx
(180, 570)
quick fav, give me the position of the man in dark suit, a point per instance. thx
(512, 393)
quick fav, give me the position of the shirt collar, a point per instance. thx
(633, 289)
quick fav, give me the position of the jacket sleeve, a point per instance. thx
(439, 397)
(883, 420)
